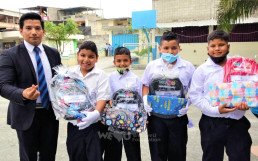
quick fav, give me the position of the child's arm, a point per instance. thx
(100, 105)
(200, 100)
(145, 90)
(102, 94)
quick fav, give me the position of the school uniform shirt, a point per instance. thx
(128, 81)
(206, 74)
(96, 82)
(183, 68)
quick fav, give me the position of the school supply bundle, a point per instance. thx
(127, 114)
(233, 93)
(240, 84)
(69, 96)
(166, 95)
(240, 69)
(166, 105)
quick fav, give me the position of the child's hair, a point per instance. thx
(169, 35)
(122, 51)
(89, 45)
(218, 34)
(30, 16)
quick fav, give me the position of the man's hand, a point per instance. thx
(242, 106)
(31, 93)
(223, 109)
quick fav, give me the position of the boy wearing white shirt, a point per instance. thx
(123, 78)
(83, 142)
(168, 136)
(220, 127)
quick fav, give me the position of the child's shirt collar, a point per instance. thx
(209, 62)
(78, 71)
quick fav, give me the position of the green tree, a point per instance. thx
(230, 11)
(60, 32)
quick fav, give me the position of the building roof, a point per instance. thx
(35, 8)
(80, 9)
(211, 22)
(120, 18)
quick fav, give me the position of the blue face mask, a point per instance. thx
(170, 58)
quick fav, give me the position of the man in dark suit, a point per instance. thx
(20, 82)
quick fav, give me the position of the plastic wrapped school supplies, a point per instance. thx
(166, 94)
(240, 69)
(233, 93)
(240, 83)
(127, 114)
(69, 96)
(166, 105)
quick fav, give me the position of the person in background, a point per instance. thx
(110, 47)
(106, 49)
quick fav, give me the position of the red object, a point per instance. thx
(240, 69)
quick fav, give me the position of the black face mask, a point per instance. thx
(218, 60)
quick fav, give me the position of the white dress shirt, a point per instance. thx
(96, 82)
(183, 68)
(206, 74)
(44, 60)
(128, 81)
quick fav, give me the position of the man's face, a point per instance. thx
(32, 32)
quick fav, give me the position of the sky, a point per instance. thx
(111, 8)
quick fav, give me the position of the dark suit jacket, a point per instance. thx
(16, 74)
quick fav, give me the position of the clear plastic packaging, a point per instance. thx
(240, 83)
(240, 69)
(233, 93)
(69, 95)
(127, 114)
(166, 94)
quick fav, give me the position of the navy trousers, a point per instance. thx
(39, 142)
(167, 138)
(83, 145)
(220, 133)
(112, 145)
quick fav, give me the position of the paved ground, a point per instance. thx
(9, 143)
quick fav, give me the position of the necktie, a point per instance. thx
(42, 81)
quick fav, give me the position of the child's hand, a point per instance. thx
(223, 109)
(242, 106)
(147, 108)
(90, 118)
(110, 103)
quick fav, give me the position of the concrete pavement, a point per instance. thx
(9, 149)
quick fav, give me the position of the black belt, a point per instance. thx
(39, 106)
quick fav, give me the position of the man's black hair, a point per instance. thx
(122, 51)
(169, 35)
(218, 34)
(89, 45)
(30, 16)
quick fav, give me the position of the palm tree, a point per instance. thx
(230, 11)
